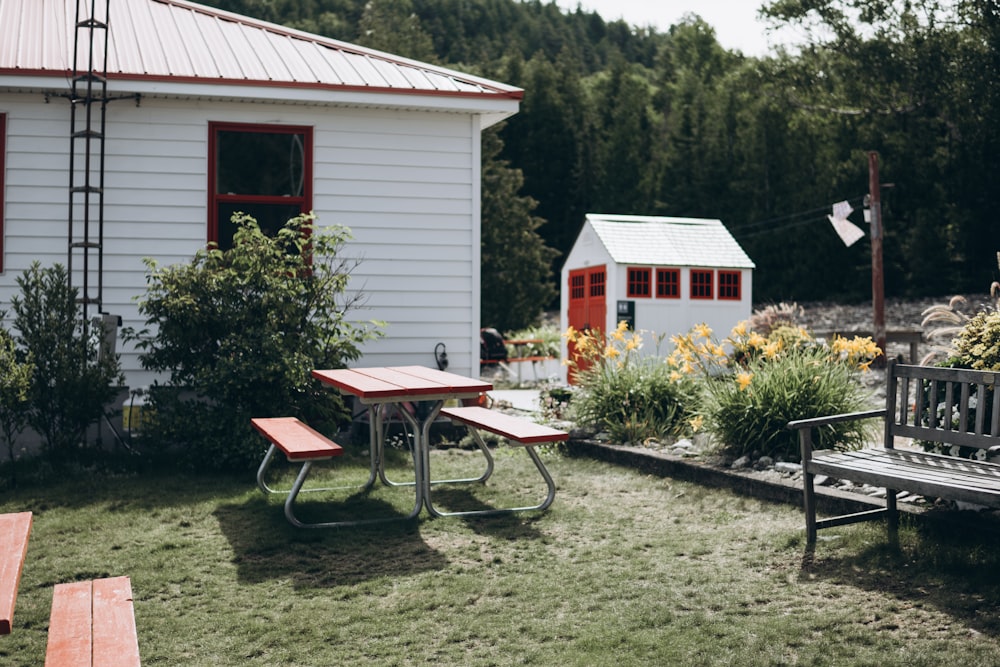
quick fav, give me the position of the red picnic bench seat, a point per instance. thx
(92, 624)
(518, 431)
(14, 531)
(299, 443)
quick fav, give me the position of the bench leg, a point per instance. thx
(269, 459)
(417, 429)
(809, 505)
(295, 521)
(892, 516)
(543, 471)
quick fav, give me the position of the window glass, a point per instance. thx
(264, 171)
(729, 285)
(597, 283)
(260, 163)
(638, 282)
(701, 284)
(668, 283)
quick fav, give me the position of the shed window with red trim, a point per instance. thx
(638, 282)
(729, 285)
(597, 283)
(3, 170)
(264, 171)
(701, 284)
(668, 284)
(577, 286)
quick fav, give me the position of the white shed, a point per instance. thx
(386, 146)
(662, 275)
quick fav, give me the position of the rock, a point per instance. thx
(790, 468)
(763, 463)
(742, 462)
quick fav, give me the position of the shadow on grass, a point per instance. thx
(948, 560)
(266, 546)
(517, 525)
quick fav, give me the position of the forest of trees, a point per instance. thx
(623, 119)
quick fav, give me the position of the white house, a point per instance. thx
(662, 275)
(211, 112)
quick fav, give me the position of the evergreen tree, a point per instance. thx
(516, 283)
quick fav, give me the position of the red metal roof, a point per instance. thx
(180, 41)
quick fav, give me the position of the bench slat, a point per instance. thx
(509, 426)
(298, 441)
(927, 475)
(14, 531)
(115, 641)
(70, 626)
(93, 624)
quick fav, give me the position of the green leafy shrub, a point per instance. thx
(71, 382)
(15, 388)
(238, 332)
(752, 386)
(631, 397)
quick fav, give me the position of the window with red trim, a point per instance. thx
(597, 283)
(638, 282)
(729, 285)
(577, 287)
(668, 284)
(3, 170)
(701, 284)
(264, 171)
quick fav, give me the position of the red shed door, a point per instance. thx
(587, 305)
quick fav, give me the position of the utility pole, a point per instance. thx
(878, 283)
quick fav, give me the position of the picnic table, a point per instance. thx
(384, 388)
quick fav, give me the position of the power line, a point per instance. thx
(766, 226)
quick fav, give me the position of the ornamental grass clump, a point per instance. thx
(631, 397)
(752, 386)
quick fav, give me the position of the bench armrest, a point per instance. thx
(804, 427)
(834, 419)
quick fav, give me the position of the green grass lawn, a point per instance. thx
(624, 569)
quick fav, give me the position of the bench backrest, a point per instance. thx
(949, 406)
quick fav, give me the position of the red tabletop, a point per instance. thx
(398, 383)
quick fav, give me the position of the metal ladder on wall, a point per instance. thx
(89, 99)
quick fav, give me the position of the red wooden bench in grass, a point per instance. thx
(518, 432)
(14, 530)
(93, 625)
(299, 443)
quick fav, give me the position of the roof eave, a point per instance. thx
(492, 107)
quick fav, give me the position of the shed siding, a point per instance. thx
(404, 183)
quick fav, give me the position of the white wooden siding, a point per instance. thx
(405, 183)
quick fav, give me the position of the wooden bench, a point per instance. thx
(917, 398)
(517, 431)
(14, 531)
(299, 443)
(93, 624)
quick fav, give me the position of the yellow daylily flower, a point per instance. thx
(743, 380)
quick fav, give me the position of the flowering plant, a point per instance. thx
(753, 385)
(629, 396)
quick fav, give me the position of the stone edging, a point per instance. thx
(828, 500)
